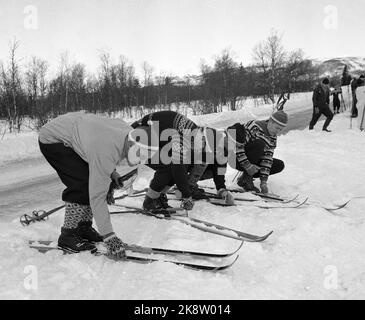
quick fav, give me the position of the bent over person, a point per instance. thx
(173, 134)
(85, 149)
(255, 143)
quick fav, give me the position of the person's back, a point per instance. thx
(321, 100)
(320, 96)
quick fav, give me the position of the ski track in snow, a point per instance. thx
(312, 254)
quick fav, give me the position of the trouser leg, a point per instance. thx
(329, 115)
(72, 170)
(314, 120)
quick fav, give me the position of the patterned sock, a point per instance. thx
(87, 214)
(73, 215)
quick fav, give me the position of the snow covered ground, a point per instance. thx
(312, 254)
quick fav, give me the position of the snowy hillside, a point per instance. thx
(312, 253)
(334, 66)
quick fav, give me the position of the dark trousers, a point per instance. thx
(336, 106)
(354, 111)
(277, 166)
(254, 151)
(326, 111)
(72, 170)
(163, 176)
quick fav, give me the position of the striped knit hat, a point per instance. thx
(280, 117)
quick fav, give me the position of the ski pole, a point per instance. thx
(37, 215)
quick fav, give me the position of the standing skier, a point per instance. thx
(354, 84)
(321, 100)
(336, 100)
(85, 149)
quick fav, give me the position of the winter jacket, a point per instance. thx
(179, 150)
(98, 141)
(250, 131)
(321, 96)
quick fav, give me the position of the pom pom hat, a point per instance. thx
(280, 117)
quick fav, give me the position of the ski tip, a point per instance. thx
(229, 265)
(240, 245)
(266, 236)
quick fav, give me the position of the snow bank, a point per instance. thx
(19, 146)
(312, 254)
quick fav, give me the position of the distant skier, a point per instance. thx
(336, 100)
(173, 132)
(356, 82)
(85, 149)
(321, 100)
(248, 147)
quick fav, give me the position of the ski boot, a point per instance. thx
(70, 241)
(88, 233)
(154, 205)
(197, 193)
(164, 201)
(245, 181)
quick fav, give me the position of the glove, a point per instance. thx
(251, 169)
(127, 184)
(110, 195)
(178, 194)
(263, 187)
(115, 246)
(123, 182)
(227, 196)
(187, 203)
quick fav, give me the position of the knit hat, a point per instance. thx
(280, 117)
(325, 81)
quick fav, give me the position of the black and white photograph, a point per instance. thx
(192, 151)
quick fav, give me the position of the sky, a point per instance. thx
(173, 36)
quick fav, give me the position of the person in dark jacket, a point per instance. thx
(172, 133)
(336, 100)
(354, 84)
(212, 164)
(321, 100)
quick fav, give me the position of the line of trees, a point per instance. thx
(27, 92)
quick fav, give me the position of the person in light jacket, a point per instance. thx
(85, 150)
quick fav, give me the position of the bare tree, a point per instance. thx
(147, 83)
(11, 83)
(270, 55)
(77, 84)
(35, 79)
(105, 77)
(228, 72)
